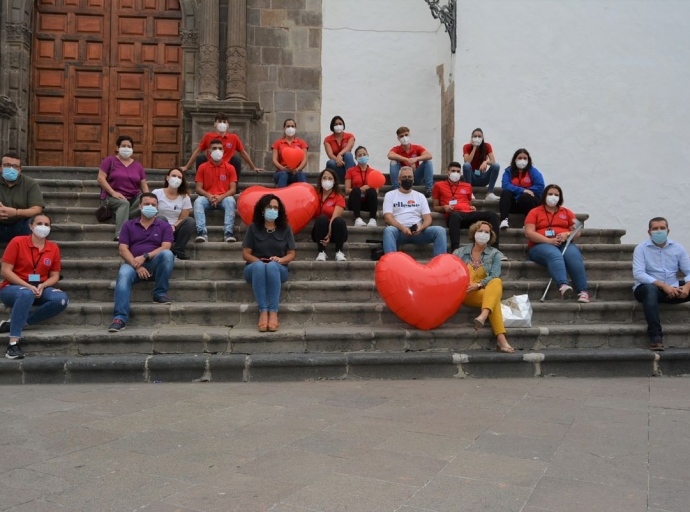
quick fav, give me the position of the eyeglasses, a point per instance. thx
(11, 166)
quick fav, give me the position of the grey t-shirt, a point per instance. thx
(264, 244)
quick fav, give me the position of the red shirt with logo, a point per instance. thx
(461, 192)
(328, 205)
(336, 146)
(522, 180)
(358, 178)
(560, 221)
(29, 259)
(216, 179)
(283, 143)
(477, 160)
(231, 143)
(413, 152)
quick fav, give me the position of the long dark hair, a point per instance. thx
(481, 149)
(514, 171)
(336, 185)
(261, 204)
(182, 189)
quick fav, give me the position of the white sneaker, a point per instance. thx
(201, 238)
(359, 223)
(504, 224)
(339, 256)
(492, 197)
(372, 223)
(322, 256)
(230, 239)
(565, 290)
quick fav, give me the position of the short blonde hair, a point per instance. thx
(474, 227)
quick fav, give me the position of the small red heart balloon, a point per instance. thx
(292, 157)
(375, 179)
(424, 296)
(300, 199)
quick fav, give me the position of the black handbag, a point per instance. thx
(377, 253)
(103, 212)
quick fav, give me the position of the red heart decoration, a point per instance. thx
(424, 296)
(300, 199)
(292, 157)
(376, 179)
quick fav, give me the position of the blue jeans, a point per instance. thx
(650, 296)
(422, 174)
(228, 205)
(392, 237)
(51, 303)
(483, 179)
(284, 178)
(266, 279)
(550, 257)
(161, 266)
(348, 160)
(9, 231)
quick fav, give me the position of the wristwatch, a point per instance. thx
(146, 256)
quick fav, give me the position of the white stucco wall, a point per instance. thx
(379, 63)
(597, 91)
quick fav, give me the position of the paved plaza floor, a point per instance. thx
(550, 444)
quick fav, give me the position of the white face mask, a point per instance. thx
(217, 155)
(482, 238)
(454, 177)
(327, 184)
(222, 127)
(290, 131)
(477, 141)
(521, 163)
(404, 140)
(338, 128)
(126, 152)
(41, 231)
(552, 200)
(174, 182)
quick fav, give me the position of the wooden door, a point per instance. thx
(101, 69)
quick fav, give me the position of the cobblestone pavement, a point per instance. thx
(563, 445)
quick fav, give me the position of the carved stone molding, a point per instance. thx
(8, 108)
(236, 72)
(19, 32)
(190, 38)
(208, 71)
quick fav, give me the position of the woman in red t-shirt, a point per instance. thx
(285, 175)
(329, 225)
(547, 227)
(480, 168)
(338, 146)
(358, 190)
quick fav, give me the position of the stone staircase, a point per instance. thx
(333, 322)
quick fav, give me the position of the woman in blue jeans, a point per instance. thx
(31, 267)
(268, 247)
(547, 227)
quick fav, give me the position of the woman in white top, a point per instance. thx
(175, 205)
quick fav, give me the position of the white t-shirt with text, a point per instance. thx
(407, 209)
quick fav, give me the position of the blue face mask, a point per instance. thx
(659, 236)
(363, 160)
(10, 174)
(149, 211)
(270, 215)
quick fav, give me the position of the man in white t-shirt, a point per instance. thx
(408, 218)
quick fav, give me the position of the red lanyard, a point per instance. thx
(324, 202)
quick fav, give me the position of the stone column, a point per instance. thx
(236, 51)
(208, 51)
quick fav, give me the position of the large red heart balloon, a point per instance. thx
(300, 199)
(375, 179)
(424, 296)
(292, 157)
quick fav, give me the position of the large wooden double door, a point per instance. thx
(101, 69)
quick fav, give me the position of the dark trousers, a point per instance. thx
(459, 220)
(370, 200)
(235, 161)
(650, 296)
(9, 231)
(183, 233)
(338, 232)
(508, 204)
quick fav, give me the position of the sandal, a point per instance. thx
(505, 350)
(478, 323)
(263, 321)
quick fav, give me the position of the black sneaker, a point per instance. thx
(117, 325)
(4, 326)
(163, 299)
(178, 255)
(14, 352)
(427, 193)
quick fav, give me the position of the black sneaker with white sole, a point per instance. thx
(14, 352)
(4, 326)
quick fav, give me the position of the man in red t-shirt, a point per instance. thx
(232, 147)
(453, 198)
(216, 184)
(414, 156)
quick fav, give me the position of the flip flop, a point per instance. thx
(478, 323)
(505, 350)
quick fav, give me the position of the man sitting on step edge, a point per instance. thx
(20, 199)
(656, 263)
(145, 246)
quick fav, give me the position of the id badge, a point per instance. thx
(34, 278)
(477, 172)
(550, 233)
(452, 202)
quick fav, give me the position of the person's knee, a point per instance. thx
(24, 294)
(167, 256)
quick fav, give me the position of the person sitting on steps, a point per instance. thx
(358, 190)
(522, 186)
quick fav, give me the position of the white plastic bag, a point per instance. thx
(517, 311)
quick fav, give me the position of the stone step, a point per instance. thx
(336, 315)
(353, 366)
(353, 251)
(306, 270)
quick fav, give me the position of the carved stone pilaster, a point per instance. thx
(236, 51)
(209, 53)
(8, 108)
(190, 38)
(19, 32)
